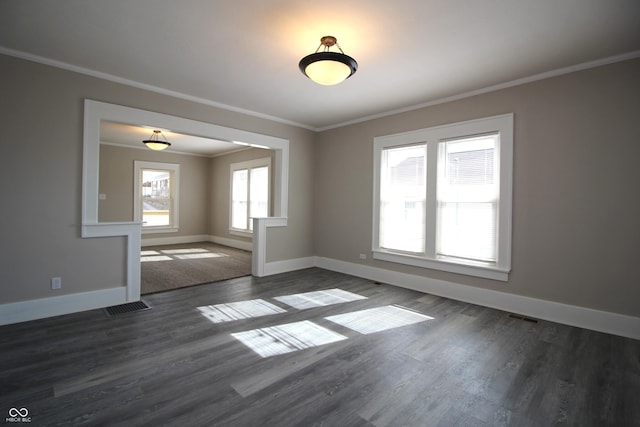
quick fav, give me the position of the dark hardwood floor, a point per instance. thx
(171, 365)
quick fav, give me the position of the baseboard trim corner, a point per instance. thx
(277, 267)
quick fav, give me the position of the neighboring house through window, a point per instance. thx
(156, 196)
(249, 193)
(443, 197)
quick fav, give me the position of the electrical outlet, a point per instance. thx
(363, 256)
(56, 283)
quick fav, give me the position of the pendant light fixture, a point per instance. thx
(155, 143)
(328, 68)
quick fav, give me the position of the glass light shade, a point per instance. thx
(156, 145)
(327, 72)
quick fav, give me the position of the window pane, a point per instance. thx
(402, 198)
(468, 230)
(468, 198)
(156, 198)
(239, 215)
(259, 193)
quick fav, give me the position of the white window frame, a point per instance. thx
(249, 164)
(137, 202)
(432, 137)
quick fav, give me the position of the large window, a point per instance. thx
(156, 196)
(443, 197)
(249, 193)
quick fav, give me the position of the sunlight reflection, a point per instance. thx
(239, 310)
(183, 251)
(286, 338)
(319, 298)
(179, 254)
(155, 258)
(197, 256)
(378, 319)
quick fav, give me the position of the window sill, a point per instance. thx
(469, 269)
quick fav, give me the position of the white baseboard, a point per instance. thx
(238, 244)
(177, 240)
(277, 267)
(23, 311)
(601, 321)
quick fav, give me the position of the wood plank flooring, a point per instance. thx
(468, 366)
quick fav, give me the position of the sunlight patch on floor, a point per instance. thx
(153, 258)
(239, 310)
(198, 256)
(178, 254)
(286, 338)
(319, 298)
(183, 251)
(378, 319)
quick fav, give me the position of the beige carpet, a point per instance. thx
(175, 266)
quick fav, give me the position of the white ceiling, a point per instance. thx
(120, 134)
(243, 55)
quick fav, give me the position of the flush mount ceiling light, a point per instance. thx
(155, 143)
(328, 68)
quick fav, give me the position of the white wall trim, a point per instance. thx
(109, 77)
(238, 244)
(530, 79)
(175, 240)
(277, 267)
(22, 311)
(151, 88)
(131, 231)
(259, 259)
(601, 321)
(431, 139)
(582, 317)
(95, 112)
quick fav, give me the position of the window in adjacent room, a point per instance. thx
(249, 193)
(443, 197)
(156, 196)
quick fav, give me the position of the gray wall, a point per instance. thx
(116, 182)
(576, 195)
(41, 109)
(204, 188)
(576, 216)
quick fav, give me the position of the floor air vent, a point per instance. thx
(129, 307)
(526, 319)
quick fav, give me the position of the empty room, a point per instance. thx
(295, 213)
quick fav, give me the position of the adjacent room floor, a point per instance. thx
(314, 347)
(170, 267)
